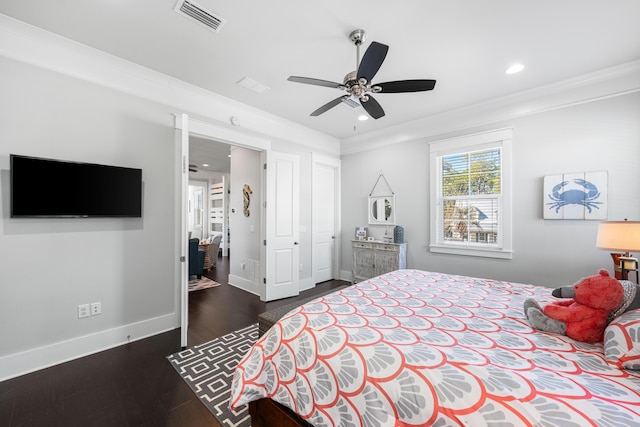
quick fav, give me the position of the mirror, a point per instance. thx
(382, 210)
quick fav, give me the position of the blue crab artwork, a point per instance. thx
(585, 196)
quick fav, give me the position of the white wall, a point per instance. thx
(244, 266)
(49, 266)
(96, 108)
(595, 136)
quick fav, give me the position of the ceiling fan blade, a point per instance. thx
(372, 60)
(372, 107)
(315, 82)
(406, 86)
(329, 105)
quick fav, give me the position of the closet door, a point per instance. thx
(325, 218)
(282, 225)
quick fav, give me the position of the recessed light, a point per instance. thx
(515, 68)
(205, 165)
(363, 117)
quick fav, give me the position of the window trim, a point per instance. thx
(479, 141)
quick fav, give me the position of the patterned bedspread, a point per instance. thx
(419, 348)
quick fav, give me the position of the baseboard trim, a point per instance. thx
(15, 365)
(244, 284)
(306, 284)
(346, 275)
(253, 288)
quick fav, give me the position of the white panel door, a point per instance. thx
(282, 222)
(324, 219)
(183, 185)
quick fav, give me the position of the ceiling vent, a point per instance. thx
(197, 13)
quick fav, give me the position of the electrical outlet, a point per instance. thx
(96, 308)
(83, 311)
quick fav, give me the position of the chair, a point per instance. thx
(214, 248)
(196, 259)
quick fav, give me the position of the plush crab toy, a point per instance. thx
(585, 315)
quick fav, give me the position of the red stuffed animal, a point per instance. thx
(584, 317)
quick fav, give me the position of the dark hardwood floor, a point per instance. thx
(134, 384)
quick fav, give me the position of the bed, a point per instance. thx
(416, 348)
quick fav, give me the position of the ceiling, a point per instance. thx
(215, 155)
(464, 45)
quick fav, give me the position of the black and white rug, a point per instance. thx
(208, 369)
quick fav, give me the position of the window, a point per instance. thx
(471, 196)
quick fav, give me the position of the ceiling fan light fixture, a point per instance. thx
(515, 68)
(358, 84)
(351, 102)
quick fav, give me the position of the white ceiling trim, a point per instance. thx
(615, 81)
(26, 43)
(33, 45)
(221, 134)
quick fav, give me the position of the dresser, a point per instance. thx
(372, 259)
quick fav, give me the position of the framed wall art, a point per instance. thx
(575, 196)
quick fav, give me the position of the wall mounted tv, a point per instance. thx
(49, 188)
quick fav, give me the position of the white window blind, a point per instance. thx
(470, 195)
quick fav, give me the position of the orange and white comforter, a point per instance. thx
(414, 348)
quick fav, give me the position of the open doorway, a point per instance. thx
(209, 185)
(279, 221)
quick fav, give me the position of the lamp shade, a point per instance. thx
(619, 236)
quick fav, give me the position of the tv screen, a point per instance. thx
(57, 188)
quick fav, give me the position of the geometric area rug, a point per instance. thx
(196, 284)
(208, 369)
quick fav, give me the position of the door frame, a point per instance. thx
(185, 127)
(335, 163)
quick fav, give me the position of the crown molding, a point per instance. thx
(32, 45)
(603, 84)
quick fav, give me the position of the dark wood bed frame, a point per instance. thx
(267, 413)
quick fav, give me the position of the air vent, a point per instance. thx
(195, 12)
(253, 85)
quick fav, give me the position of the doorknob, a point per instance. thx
(333, 237)
(295, 243)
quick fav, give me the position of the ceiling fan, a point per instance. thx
(358, 84)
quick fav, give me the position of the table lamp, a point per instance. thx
(620, 236)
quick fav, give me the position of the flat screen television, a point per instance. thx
(49, 188)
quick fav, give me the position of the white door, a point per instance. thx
(183, 188)
(324, 213)
(282, 223)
